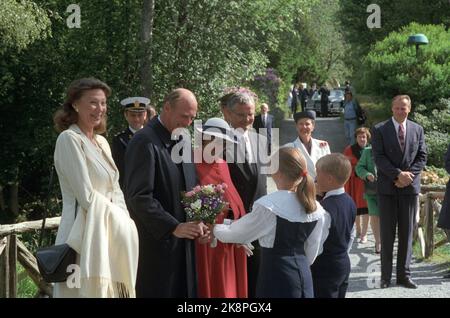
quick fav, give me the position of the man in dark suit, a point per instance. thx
(134, 110)
(153, 186)
(265, 120)
(400, 155)
(324, 93)
(444, 215)
(239, 111)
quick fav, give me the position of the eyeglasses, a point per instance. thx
(243, 115)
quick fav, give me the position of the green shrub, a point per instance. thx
(394, 68)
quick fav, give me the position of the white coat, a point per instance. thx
(319, 148)
(85, 172)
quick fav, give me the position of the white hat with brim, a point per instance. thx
(135, 104)
(219, 128)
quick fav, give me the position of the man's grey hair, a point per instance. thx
(240, 98)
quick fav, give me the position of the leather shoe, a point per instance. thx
(385, 284)
(407, 283)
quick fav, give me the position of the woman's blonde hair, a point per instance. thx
(67, 115)
(292, 166)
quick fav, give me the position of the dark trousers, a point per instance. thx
(396, 211)
(253, 269)
(330, 287)
(324, 108)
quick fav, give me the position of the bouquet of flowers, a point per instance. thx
(204, 203)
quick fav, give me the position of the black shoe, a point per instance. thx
(407, 283)
(385, 284)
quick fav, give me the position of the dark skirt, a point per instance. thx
(284, 276)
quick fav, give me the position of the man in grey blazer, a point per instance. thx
(400, 155)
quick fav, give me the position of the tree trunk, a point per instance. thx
(2, 200)
(146, 38)
(14, 199)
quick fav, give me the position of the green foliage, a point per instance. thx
(22, 23)
(26, 288)
(394, 15)
(435, 119)
(395, 68)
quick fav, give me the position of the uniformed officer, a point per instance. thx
(135, 112)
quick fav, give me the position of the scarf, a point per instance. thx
(106, 239)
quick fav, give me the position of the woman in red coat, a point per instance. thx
(355, 186)
(221, 270)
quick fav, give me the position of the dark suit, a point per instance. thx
(251, 185)
(268, 124)
(153, 185)
(119, 146)
(444, 216)
(397, 205)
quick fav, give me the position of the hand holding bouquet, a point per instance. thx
(204, 203)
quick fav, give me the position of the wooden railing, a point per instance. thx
(429, 212)
(13, 251)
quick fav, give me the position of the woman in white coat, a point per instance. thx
(312, 149)
(100, 230)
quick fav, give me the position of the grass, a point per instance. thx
(441, 255)
(26, 288)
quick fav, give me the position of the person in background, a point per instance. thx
(400, 154)
(134, 110)
(151, 112)
(367, 171)
(95, 221)
(350, 117)
(304, 95)
(444, 216)
(291, 227)
(355, 185)
(331, 269)
(265, 121)
(295, 98)
(324, 94)
(311, 148)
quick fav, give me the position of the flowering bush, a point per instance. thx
(240, 89)
(204, 203)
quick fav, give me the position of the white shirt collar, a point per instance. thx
(397, 124)
(132, 130)
(334, 192)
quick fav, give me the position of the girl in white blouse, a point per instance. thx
(291, 227)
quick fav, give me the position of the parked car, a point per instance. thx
(335, 102)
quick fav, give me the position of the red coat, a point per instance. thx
(355, 186)
(221, 271)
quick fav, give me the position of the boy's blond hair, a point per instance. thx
(336, 165)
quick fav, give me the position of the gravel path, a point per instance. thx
(365, 274)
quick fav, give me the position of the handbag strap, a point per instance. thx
(50, 183)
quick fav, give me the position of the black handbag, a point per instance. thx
(53, 261)
(370, 187)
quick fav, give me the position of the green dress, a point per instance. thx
(364, 167)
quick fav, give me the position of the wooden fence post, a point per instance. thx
(429, 227)
(12, 266)
(4, 271)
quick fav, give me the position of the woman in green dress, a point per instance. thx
(366, 170)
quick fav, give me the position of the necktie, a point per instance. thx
(248, 150)
(264, 120)
(401, 137)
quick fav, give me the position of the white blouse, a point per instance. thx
(261, 223)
